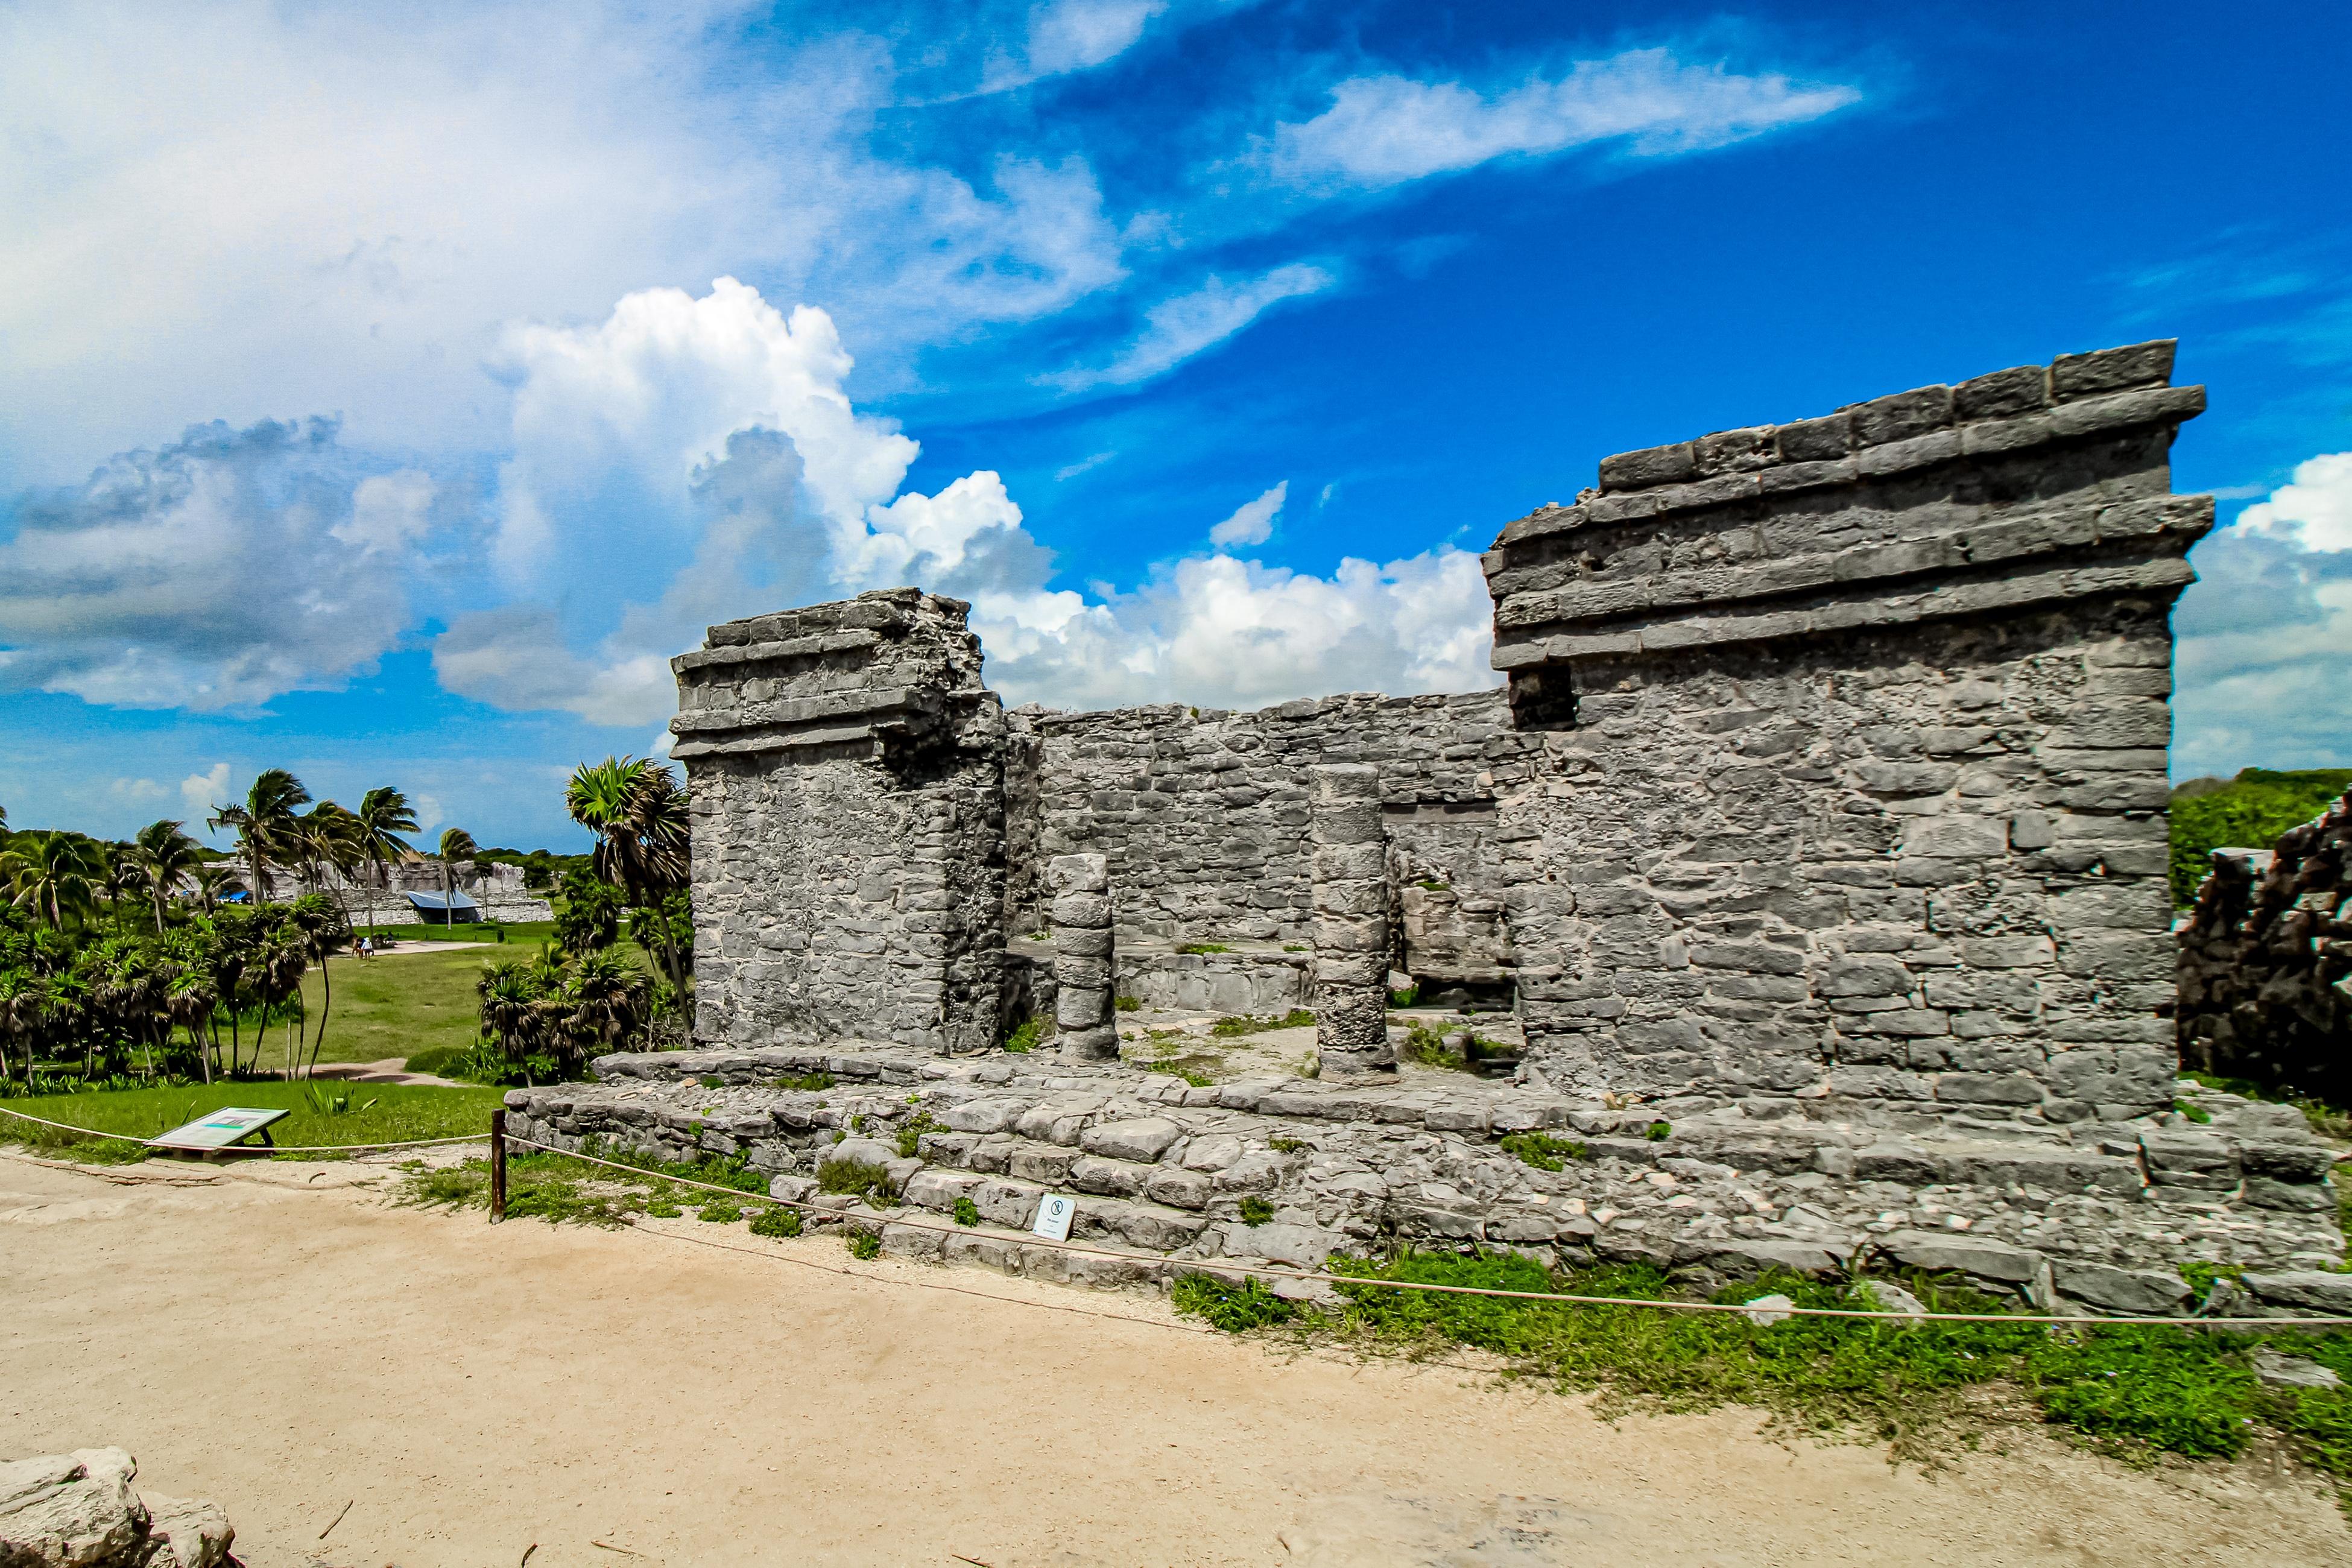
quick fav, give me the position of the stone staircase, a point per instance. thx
(1290, 1171)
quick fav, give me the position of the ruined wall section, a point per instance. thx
(2265, 962)
(1203, 815)
(845, 770)
(1857, 781)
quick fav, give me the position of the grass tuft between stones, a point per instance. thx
(2135, 1393)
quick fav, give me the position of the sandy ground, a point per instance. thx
(277, 1337)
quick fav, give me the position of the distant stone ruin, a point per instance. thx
(1811, 866)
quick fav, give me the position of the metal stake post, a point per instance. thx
(499, 1164)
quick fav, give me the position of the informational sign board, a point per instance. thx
(220, 1129)
(1054, 1217)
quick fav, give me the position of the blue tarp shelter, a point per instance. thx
(434, 911)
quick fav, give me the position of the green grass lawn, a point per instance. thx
(409, 1003)
(399, 1005)
(529, 933)
(378, 1113)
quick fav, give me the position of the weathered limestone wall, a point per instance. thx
(848, 826)
(1202, 814)
(2265, 965)
(1854, 778)
(1349, 863)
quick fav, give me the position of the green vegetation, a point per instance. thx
(2131, 1391)
(1235, 1308)
(322, 1113)
(858, 1177)
(2191, 1110)
(1178, 1067)
(1128, 1003)
(1408, 997)
(1659, 1132)
(1198, 948)
(559, 1189)
(809, 1083)
(2248, 811)
(2327, 1120)
(911, 1136)
(1287, 1145)
(1250, 1024)
(1025, 1035)
(966, 1212)
(527, 933)
(1256, 1211)
(865, 1245)
(1427, 1047)
(779, 1222)
(1542, 1151)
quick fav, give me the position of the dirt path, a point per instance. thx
(276, 1337)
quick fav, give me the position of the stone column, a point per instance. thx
(1351, 920)
(1084, 975)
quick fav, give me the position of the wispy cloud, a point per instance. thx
(1253, 522)
(1386, 130)
(1177, 328)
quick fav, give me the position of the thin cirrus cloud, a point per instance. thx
(1183, 326)
(1385, 131)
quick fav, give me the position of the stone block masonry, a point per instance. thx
(1854, 781)
(1084, 967)
(844, 763)
(1351, 920)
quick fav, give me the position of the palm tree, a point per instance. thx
(121, 874)
(324, 928)
(170, 858)
(385, 815)
(23, 999)
(50, 873)
(191, 999)
(215, 882)
(457, 844)
(638, 813)
(330, 839)
(265, 824)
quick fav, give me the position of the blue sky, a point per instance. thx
(388, 397)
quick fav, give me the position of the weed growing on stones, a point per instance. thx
(1659, 1132)
(721, 1210)
(1425, 1045)
(1542, 1151)
(1287, 1145)
(811, 1082)
(857, 1177)
(712, 1081)
(1256, 1211)
(1250, 1024)
(2191, 1110)
(966, 1212)
(865, 1245)
(776, 1222)
(1128, 1003)
(911, 1136)
(1025, 1037)
(661, 1208)
(1200, 947)
(1233, 1308)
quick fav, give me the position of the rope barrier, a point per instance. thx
(252, 1148)
(1224, 1266)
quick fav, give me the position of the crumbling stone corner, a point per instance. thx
(1352, 913)
(1080, 920)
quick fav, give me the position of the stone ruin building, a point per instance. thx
(1814, 852)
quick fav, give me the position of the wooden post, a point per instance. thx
(499, 1163)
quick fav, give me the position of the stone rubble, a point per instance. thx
(80, 1511)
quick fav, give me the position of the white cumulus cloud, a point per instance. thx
(2314, 508)
(216, 572)
(1253, 522)
(1386, 130)
(199, 793)
(2264, 659)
